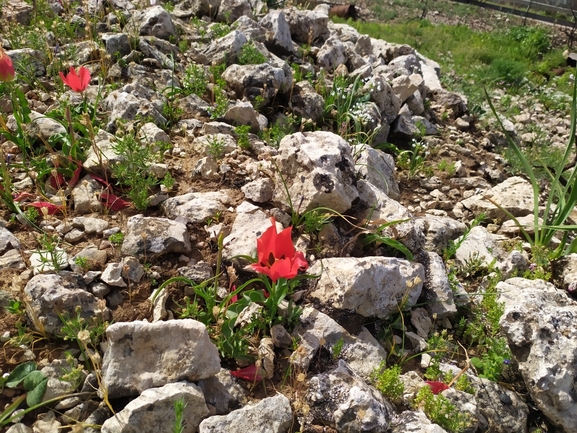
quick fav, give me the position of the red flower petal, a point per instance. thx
(57, 181)
(436, 386)
(6, 67)
(100, 180)
(76, 175)
(23, 195)
(282, 269)
(76, 82)
(84, 77)
(52, 208)
(113, 202)
(248, 373)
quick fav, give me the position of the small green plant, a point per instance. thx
(496, 357)
(168, 181)
(179, 422)
(450, 168)
(51, 255)
(132, 170)
(338, 348)
(314, 220)
(213, 219)
(561, 195)
(381, 236)
(74, 373)
(116, 239)
(412, 160)
(82, 262)
(32, 214)
(453, 246)
(250, 55)
(441, 411)
(242, 136)
(215, 147)
(219, 30)
(86, 333)
(388, 382)
(277, 131)
(33, 382)
(16, 307)
(220, 100)
(194, 80)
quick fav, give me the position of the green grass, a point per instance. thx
(508, 58)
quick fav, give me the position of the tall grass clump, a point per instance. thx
(561, 195)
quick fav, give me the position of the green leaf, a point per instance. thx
(33, 379)
(477, 363)
(35, 396)
(19, 373)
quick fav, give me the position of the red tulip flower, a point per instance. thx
(436, 386)
(77, 81)
(252, 373)
(277, 257)
(6, 67)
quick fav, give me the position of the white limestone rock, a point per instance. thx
(318, 169)
(437, 291)
(51, 295)
(197, 207)
(479, 245)
(342, 400)
(378, 168)
(151, 237)
(381, 208)
(188, 354)
(154, 21)
(278, 36)
(153, 410)
(539, 322)
(514, 195)
(270, 415)
(363, 353)
(369, 286)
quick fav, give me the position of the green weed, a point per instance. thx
(388, 382)
(242, 136)
(250, 55)
(441, 411)
(195, 80)
(116, 239)
(215, 147)
(179, 422)
(338, 348)
(132, 170)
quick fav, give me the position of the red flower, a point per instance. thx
(277, 257)
(252, 372)
(436, 386)
(6, 68)
(51, 209)
(77, 82)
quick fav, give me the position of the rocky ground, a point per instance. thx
(375, 236)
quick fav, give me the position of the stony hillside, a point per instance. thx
(265, 221)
